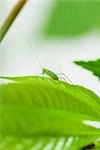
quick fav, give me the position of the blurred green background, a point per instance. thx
(73, 17)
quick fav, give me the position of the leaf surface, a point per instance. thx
(47, 113)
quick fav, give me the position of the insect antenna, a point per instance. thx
(31, 47)
(52, 53)
(33, 50)
(35, 54)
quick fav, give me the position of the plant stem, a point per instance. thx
(11, 17)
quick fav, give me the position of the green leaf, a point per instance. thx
(93, 66)
(38, 112)
(45, 143)
(73, 17)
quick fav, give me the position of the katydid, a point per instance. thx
(53, 75)
(48, 72)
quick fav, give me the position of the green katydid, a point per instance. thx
(46, 71)
(53, 75)
(50, 73)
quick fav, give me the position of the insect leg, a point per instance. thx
(66, 77)
(62, 78)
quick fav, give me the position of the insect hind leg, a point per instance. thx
(65, 77)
